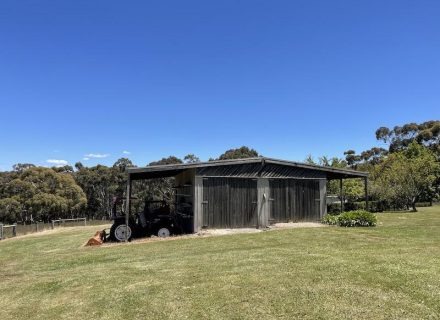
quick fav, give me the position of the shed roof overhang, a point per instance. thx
(170, 170)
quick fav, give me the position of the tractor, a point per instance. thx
(156, 219)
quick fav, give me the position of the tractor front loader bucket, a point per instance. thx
(98, 239)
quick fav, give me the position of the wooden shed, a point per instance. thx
(252, 192)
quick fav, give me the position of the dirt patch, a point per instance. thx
(291, 225)
(222, 232)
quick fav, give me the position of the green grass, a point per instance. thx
(31, 228)
(388, 272)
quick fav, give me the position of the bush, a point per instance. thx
(423, 204)
(352, 206)
(330, 219)
(334, 208)
(373, 206)
(376, 206)
(358, 218)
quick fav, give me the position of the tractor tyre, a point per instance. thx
(117, 232)
(163, 232)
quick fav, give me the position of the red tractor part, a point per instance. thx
(97, 239)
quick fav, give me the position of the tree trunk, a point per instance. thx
(413, 205)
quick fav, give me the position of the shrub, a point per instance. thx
(376, 206)
(373, 206)
(330, 219)
(358, 218)
(334, 208)
(351, 206)
(423, 204)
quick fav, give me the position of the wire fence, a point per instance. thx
(18, 229)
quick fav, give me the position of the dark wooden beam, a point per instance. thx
(366, 193)
(127, 207)
(341, 195)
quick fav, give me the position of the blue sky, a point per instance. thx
(155, 78)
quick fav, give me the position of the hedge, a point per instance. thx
(423, 204)
(373, 206)
(358, 218)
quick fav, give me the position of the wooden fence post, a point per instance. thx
(14, 230)
(85, 222)
(52, 225)
(1, 231)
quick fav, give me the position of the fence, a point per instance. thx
(8, 231)
(62, 222)
(3, 228)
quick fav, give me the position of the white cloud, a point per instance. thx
(126, 152)
(86, 158)
(57, 162)
(97, 155)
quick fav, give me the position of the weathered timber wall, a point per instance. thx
(229, 203)
(294, 200)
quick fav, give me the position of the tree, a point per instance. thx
(122, 164)
(10, 209)
(372, 156)
(19, 167)
(239, 153)
(404, 176)
(100, 184)
(160, 188)
(79, 165)
(169, 160)
(191, 158)
(42, 192)
(63, 169)
(352, 189)
(400, 137)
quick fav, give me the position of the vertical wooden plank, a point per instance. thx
(262, 202)
(127, 205)
(197, 204)
(289, 199)
(341, 195)
(366, 193)
(205, 206)
(322, 198)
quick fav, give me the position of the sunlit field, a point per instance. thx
(391, 271)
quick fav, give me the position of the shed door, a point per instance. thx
(294, 200)
(229, 202)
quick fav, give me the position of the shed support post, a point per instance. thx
(341, 195)
(263, 203)
(127, 206)
(198, 204)
(323, 197)
(366, 194)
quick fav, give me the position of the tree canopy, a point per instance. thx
(404, 177)
(239, 153)
(40, 193)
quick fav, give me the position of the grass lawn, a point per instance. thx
(388, 272)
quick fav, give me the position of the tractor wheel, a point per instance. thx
(118, 230)
(163, 232)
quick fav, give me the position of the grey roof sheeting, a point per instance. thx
(248, 167)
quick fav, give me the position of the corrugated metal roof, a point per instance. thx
(249, 167)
